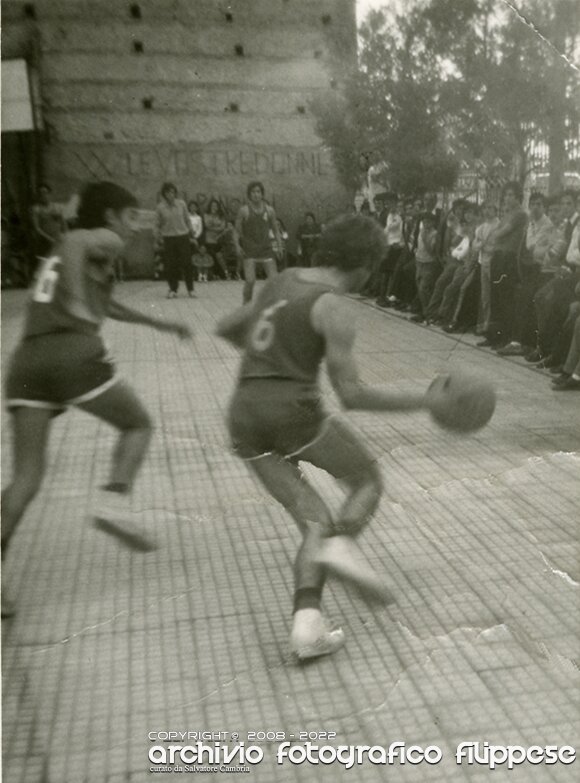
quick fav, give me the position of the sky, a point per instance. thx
(364, 6)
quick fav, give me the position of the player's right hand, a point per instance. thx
(182, 330)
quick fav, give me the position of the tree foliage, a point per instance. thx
(447, 81)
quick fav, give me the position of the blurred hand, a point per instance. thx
(182, 330)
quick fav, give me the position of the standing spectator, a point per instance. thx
(196, 221)
(253, 224)
(395, 243)
(466, 263)
(280, 256)
(506, 242)
(449, 237)
(376, 180)
(482, 246)
(215, 227)
(307, 235)
(47, 222)
(427, 266)
(539, 237)
(173, 228)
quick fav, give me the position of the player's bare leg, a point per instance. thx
(120, 407)
(310, 635)
(270, 267)
(249, 279)
(340, 452)
(31, 427)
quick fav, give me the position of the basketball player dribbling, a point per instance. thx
(277, 419)
(254, 222)
(62, 361)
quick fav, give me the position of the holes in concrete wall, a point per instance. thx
(233, 107)
(301, 109)
(147, 103)
(29, 11)
(239, 50)
(333, 84)
(229, 17)
(326, 19)
(138, 47)
(135, 11)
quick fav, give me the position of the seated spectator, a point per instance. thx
(203, 263)
(539, 238)
(569, 379)
(506, 241)
(426, 264)
(307, 236)
(553, 299)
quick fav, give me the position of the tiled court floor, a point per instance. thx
(477, 534)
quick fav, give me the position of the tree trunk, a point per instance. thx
(557, 133)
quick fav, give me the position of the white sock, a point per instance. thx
(308, 625)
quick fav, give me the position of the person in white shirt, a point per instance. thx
(482, 246)
(394, 234)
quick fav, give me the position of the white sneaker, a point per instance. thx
(326, 643)
(113, 515)
(341, 556)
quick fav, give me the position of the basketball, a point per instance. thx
(461, 402)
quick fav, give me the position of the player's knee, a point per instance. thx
(139, 420)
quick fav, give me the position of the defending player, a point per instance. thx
(254, 222)
(277, 418)
(62, 361)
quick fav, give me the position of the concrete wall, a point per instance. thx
(166, 97)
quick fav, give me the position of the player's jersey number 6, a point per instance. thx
(45, 285)
(264, 330)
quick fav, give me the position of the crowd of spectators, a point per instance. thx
(510, 275)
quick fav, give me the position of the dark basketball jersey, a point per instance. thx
(255, 238)
(281, 341)
(74, 286)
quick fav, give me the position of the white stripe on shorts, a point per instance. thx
(94, 393)
(48, 406)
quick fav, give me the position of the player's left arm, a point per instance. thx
(234, 326)
(120, 312)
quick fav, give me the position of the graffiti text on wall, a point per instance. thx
(244, 163)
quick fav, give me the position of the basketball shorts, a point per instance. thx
(53, 371)
(274, 415)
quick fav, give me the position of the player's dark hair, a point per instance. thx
(255, 184)
(351, 242)
(166, 187)
(97, 198)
